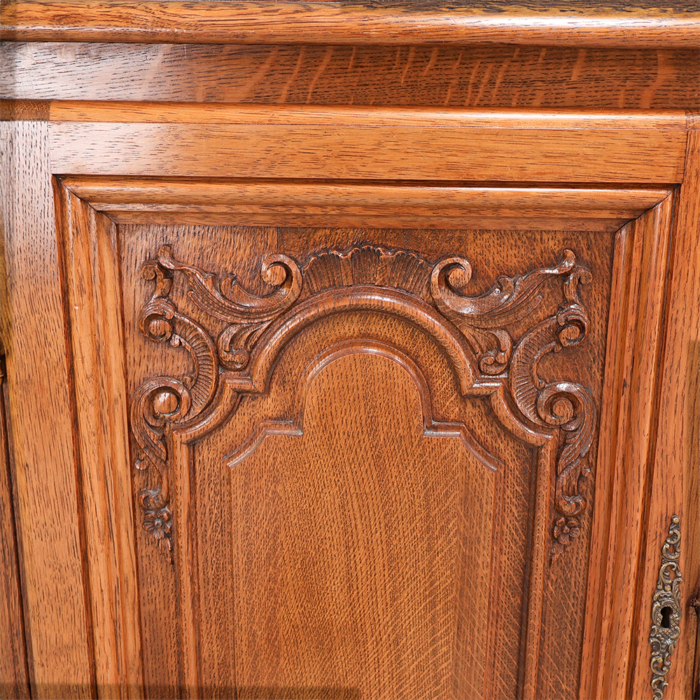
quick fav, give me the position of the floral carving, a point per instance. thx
(503, 355)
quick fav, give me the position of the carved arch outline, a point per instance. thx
(364, 346)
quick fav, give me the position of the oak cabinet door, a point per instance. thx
(361, 396)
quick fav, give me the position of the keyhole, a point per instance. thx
(666, 617)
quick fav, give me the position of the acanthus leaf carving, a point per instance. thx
(161, 402)
(488, 322)
(564, 404)
(484, 319)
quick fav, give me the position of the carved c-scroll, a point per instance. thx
(162, 402)
(367, 277)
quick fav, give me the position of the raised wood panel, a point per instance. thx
(440, 76)
(271, 448)
(179, 609)
(200, 502)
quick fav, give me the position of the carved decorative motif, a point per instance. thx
(432, 293)
(666, 610)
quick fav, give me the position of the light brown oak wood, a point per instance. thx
(440, 76)
(378, 144)
(349, 23)
(46, 473)
(348, 357)
(14, 676)
(144, 193)
(101, 420)
(629, 439)
(131, 200)
(677, 441)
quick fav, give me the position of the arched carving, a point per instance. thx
(477, 334)
(294, 427)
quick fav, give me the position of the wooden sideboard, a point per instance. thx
(349, 351)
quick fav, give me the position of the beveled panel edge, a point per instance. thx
(675, 486)
(347, 23)
(626, 446)
(93, 306)
(289, 203)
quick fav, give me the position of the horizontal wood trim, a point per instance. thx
(443, 76)
(196, 113)
(345, 23)
(106, 193)
(486, 223)
(376, 147)
(136, 200)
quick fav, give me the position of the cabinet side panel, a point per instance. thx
(43, 453)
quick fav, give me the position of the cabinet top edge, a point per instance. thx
(631, 25)
(77, 111)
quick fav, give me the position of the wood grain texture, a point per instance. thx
(145, 191)
(24, 110)
(339, 116)
(441, 76)
(674, 487)
(628, 439)
(134, 200)
(378, 144)
(323, 480)
(14, 671)
(282, 660)
(54, 585)
(555, 677)
(348, 23)
(91, 276)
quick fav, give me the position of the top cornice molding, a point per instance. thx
(591, 24)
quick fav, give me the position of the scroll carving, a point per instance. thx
(162, 402)
(666, 610)
(504, 357)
